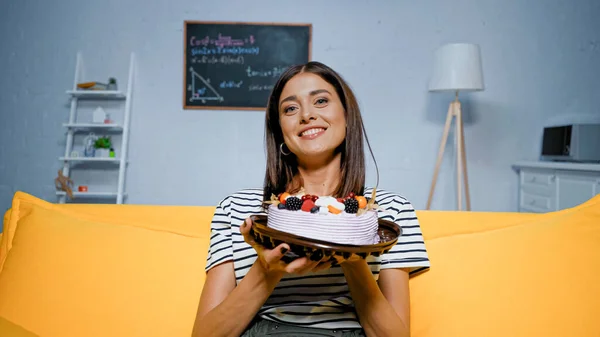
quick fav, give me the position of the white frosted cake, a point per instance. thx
(338, 220)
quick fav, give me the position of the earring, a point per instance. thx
(282, 152)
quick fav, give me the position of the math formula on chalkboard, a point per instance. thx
(232, 65)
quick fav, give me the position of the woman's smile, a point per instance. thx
(312, 133)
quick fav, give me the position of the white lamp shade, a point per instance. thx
(457, 67)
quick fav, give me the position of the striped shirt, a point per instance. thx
(322, 299)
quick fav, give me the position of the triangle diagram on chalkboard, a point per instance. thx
(201, 90)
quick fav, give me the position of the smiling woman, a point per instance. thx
(314, 141)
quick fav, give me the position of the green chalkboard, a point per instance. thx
(234, 65)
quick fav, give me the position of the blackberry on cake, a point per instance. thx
(351, 205)
(293, 203)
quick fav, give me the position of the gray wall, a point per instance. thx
(541, 62)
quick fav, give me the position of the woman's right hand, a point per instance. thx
(270, 259)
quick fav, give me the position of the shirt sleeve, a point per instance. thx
(220, 249)
(409, 252)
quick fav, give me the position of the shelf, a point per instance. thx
(90, 159)
(90, 194)
(97, 94)
(97, 126)
(73, 158)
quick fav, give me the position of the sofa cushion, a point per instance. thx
(538, 277)
(98, 277)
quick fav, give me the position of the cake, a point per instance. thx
(351, 220)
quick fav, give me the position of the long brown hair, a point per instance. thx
(282, 171)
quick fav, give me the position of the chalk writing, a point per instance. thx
(225, 59)
(274, 72)
(257, 87)
(221, 41)
(228, 50)
(231, 84)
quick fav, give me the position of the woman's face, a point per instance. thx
(311, 116)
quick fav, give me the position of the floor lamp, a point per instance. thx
(456, 67)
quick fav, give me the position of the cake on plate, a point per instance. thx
(351, 220)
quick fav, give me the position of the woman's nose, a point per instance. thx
(308, 114)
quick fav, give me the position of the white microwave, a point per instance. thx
(572, 143)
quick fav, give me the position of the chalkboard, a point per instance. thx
(234, 65)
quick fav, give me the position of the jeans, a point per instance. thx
(267, 328)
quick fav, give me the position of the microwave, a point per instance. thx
(572, 143)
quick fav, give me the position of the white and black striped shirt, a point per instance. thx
(319, 300)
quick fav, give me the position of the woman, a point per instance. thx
(314, 139)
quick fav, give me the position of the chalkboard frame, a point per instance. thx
(186, 23)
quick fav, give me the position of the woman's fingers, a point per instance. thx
(245, 231)
(274, 256)
(271, 258)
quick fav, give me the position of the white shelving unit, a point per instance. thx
(73, 127)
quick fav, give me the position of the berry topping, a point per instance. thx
(281, 206)
(307, 205)
(315, 209)
(351, 195)
(293, 203)
(314, 198)
(351, 206)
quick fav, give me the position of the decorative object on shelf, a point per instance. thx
(89, 145)
(64, 184)
(112, 84)
(103, 145)
(99, 115)
(107, 119)
(83, 188)
(74, 154)
(457, 67)
(93, 85)
(111, 153)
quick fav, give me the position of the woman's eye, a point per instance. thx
(289, 109)
(321, 101)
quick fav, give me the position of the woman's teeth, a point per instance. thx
(311, 132)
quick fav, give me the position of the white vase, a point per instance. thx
(102, 153)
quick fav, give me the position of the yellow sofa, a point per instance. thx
(137, 270)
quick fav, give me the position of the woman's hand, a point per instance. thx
(270, 259)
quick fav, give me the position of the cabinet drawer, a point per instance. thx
(539, 183)
(538, 178)
(537, 202)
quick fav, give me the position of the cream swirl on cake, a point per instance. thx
(351, 220)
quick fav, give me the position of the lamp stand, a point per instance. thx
(454, 111)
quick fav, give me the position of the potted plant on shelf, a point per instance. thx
(103, 145)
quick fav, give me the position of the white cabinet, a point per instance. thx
(552, 186)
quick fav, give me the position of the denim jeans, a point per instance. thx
(267, 328)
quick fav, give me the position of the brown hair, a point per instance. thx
(282, 172)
